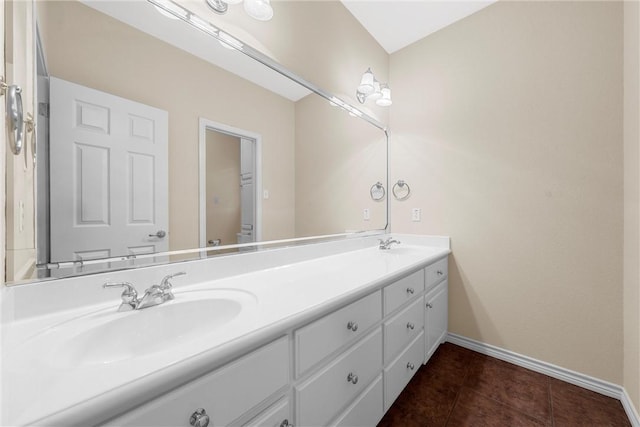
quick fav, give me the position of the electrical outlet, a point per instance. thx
(366, 214)
(265, 194)
(416, 214)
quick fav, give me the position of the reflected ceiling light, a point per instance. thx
(218, 6)
(366, 83)
(371, 88)
(257, 9)
(385, 97)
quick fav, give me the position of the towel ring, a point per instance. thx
(377, 191)
(401, 190)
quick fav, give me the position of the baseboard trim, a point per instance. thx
(572, 377)
(631, 411)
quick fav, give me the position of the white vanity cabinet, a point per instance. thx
(345, 368)
(225, 394)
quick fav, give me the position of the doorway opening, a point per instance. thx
(230, 185)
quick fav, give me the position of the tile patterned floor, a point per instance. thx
(459, 387)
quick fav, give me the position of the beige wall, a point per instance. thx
(631, 291)
(508, 127)
(223, 187)
(171, 78)
(335, 168)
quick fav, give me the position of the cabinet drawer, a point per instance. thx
(366, 411)
(436, 272)
(324, 336)
(328, 392)
(398, 374)
(277, 415)
(225, 394)
(401, 329)
(402, 291)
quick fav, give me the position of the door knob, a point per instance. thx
(160, 234)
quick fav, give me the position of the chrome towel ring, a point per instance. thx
(401, 190)
(377, 191)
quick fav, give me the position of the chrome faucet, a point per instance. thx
(386, 244)
(129, 295)
(155, 295)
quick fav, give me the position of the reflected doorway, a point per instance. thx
(230, 182)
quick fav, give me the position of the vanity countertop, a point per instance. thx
(43, 385)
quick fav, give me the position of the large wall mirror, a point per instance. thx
(155, 139)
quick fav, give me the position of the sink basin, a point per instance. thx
(107, 336)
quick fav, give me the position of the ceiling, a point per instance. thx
(398, 23)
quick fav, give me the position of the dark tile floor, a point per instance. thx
(459, 387)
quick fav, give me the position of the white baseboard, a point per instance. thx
(572, 377)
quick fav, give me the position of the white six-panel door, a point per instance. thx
(108, 168)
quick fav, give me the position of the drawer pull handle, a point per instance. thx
(199, 418)
(352, 326)
(410, 366)
(285, 423)
(352, 378)
(440, 273)
(410, 325)
(410, 291)
(429, 305)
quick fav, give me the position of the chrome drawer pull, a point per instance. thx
(410, 291)
(410, 325)
(285, 423)
(352, 378)
(410, 366)
(199, 418)
(352, 326)
(429, 305)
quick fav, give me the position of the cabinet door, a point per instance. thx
(436, 318)
(398, 374)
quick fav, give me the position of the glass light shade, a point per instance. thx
(259, 9)
(385, 99)
(376, 94)
(366, 83)
(233, 1)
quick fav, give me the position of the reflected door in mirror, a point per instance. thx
(108, 167)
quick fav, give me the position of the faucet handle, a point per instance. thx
(129, 294)
(165, 283)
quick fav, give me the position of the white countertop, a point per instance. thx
(39, 387)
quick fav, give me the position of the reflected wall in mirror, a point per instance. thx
(129, 71)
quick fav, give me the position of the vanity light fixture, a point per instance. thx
(371, 88)
(257, 9)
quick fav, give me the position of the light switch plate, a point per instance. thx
(416, 214)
